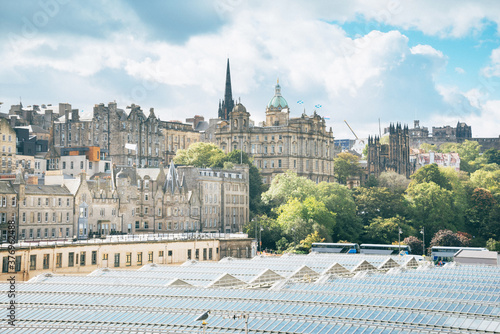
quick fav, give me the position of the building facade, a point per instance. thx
(7, 146)
(394, 156)
(111, 129)
(301, 144)
(177, 136)
(224, 197)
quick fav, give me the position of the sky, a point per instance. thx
(363, 61)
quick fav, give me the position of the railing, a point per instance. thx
(128, 238)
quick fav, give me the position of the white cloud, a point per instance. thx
(374, 75)
(459, 70)
(494, 69)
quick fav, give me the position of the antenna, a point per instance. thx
(379, 129)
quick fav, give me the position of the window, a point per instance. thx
(128, 261)
(105, 257)
(82, 258)
(71, 259)
(189, 254)
(46, 261)
(160, 253)
(139, 258)
(32, 262)
(137, 225)
(58, 260)
(18, 263)
(150, 257)
(5, 265)
(67, 202)
(94, 257)
(117, 259)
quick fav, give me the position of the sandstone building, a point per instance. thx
(301, 144)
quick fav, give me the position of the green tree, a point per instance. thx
(493, 245)
(305, 245)
(378, 202)
(339, 200)
(469, 153)
(430, 173)
(386, 230)
(199, 154)
(268, 231)
(393, 181)
(288, 185)
(482, 216)
(431, 207)
(492, 156)
(487, 179)
(345, 165)
(461, 189)
(298, 219)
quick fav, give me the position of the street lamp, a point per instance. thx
(399, 240)
(260, 237)
(423, 240)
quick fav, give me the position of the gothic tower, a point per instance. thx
(227, 105)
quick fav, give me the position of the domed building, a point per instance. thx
(301, 144)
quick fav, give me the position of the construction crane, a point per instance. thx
(351, 129)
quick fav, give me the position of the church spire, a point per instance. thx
(228, 103)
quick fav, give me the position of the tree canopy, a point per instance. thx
(345, 165)
(199, 154)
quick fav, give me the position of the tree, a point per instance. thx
(345, 165)
(378, 202)
(469, 153)
(268, 230)
(492, 156)
(448, 238)
(305, 245)
(482, 216)
(430, 173)
(431, 207)
(199, 154)
(288, 185)
(415, 244)
(386, 230)
(493, 245)
(393, 181)
(488, 180)
(298, 219)
(339, 200)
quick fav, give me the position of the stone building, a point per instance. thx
(7, 146)
(178, 136)
(223, 194)
(394, 156)
(111, 128)
(45, 211)
(301, 144)
(8, 207)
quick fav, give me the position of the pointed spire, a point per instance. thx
(228, 103)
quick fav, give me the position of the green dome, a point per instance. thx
(278, 101)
